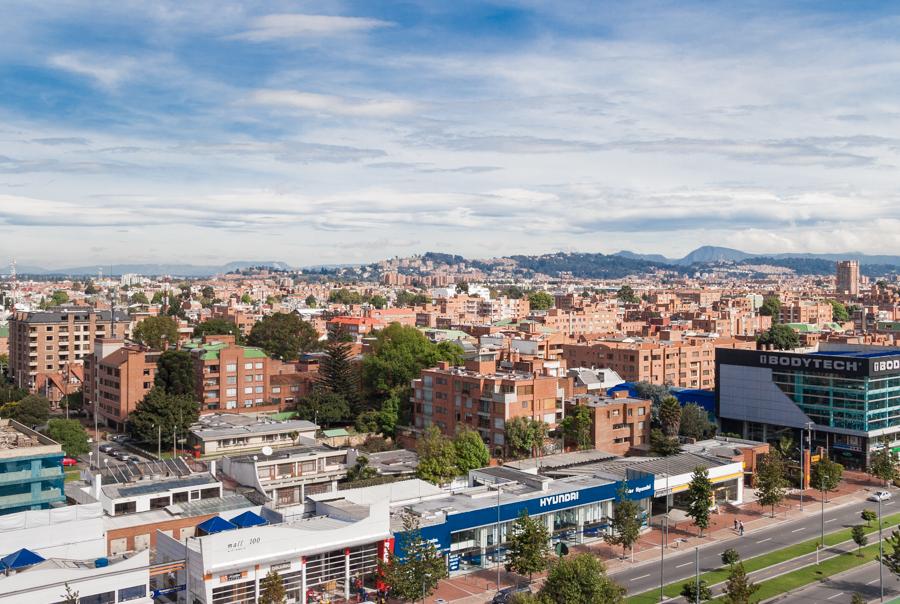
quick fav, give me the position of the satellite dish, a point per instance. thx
(267, 450)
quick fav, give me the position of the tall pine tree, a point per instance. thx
(338, 375)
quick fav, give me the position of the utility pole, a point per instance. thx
(697, 573)
(159, 442)
(880, 554)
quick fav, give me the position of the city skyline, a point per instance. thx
(343, 133)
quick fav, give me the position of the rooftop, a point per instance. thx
(223, 425)
(61, 314)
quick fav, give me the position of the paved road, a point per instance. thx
(680, 565)
(840, 589)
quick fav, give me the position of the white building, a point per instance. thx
(74, 532)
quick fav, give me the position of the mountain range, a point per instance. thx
(709, 254)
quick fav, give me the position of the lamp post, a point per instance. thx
(880, 555)
(697, 574)
(497, 540)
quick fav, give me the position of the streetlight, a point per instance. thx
(880, 554)
(697, 574)
(497, 540)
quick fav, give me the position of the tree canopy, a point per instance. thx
(700, 493)
(839, 311)
(471, 452)
(271, 589)
(70, 434)
(540, 300)
(580, 579)
(825, 475)
(528, 548)
(157, 333)
(670, 416)
(323, 407)
(339, 375)
(175, 373)
(31, 411)
(524, 435)
(771, 307)
(884, 464)
(626, 521)
(695, 422)
(771, 480)
(739, 589)
(168, 411)
(626, 294)
(779, 337)
(415, 575)
(437, 457)
(284, 336)
(577, 425)
(219, 327)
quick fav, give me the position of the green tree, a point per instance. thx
(884, 465)
(323, 407)
(310, 301)
(787, 448)
(31, 411)
(219, 327)
(891, 559)
(416, 574)
(626, 522)
(246, 298)
(361, 470)
(378, 301)
(169, 411)
(528, 547)
(389, 414)
(71, 596)
(739, 589)
(471, 452)
(868, 516)
(580, 579)
(771, 307)
(367, 421)
(858, 532)
(139, 298)
(158, 298)
(337, 374)
(405, 298)
(825, 475)
(779, 337)
(208, 292)
(462, 287)
(70, 434)
(695, 422)
(91, 289)
(524, 435)
(730, 557)
(655, 393)
(839, 312)
(771, 480)
(284, 336)
(857, 599)
(662, 445)
(437, 457)
(626, 294)
(175, 373)
(540, 300)
(271, 589)
(670, 416)
(577, 426)
(345, 296)
(689, 591)
(700, 492)
(58, 298)
(156, 333)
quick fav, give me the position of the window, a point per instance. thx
(181, 497)
(248, 390)
(248, 365)
(259, 377)
(231, 367)
(108, 597)
(248, 378)
(642, 411)
(231, 392)
(259, 390)
(133, 593)
(129, 507)
(258, 365)
(276, 389)
(159, 503)
(231, 379)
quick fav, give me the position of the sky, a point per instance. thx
(339, 132)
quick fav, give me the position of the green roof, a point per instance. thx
(335, 432)
(4, 331)
(211, 351)
(283, 416)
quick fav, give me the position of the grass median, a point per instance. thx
(760, 562)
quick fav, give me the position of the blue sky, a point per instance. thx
(314, 132)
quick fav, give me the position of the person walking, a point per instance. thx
(741, 528)
(735, 525)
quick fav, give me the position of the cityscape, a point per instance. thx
(501, 302)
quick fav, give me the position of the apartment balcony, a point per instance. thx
(504, 397)
(22, 499)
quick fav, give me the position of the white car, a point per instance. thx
(879, 496)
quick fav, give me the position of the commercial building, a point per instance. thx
(74, 531)
(47, 341)
(847, 277)
(230, 434)
(850, 398)
(117, 376)
(31, 474)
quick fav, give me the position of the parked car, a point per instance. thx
(879, 496)
(69, 462)
(107, 448)
(121, 455)
(506, 594)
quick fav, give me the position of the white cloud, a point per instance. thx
(333, 105)
(293, 25)
(107, 75)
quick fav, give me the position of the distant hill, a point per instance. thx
(648, 257)
(179, 270)
(589, 266)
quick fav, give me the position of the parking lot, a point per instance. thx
(112, 454)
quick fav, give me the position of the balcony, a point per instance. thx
(22, 499)
(504, 397)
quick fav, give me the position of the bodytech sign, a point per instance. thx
(850, 366)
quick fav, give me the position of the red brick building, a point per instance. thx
(117, 376)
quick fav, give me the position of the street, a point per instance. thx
(840, 589)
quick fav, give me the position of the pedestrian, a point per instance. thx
(735, 525)
(741, 524)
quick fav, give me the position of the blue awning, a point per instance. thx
(20, 559)
(216, 524)
(248, 518)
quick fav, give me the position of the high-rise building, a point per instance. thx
(117, 376)
(848, 277)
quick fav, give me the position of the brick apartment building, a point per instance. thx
(814, 312)
(483, 398)
(619, 422)
(242, 316)
(117, 376)
(689, 363)
(46, 341)
(580, 321)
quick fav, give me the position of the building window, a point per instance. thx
(258, 365)
(231, 392)
(259, 390)
(129, 507)
(276, 390)
(231, 379)
(108, 597)
(259, 377)
(133, 593)
(248, 390)
(248, 365)
(159, 502)
(231, 367)
(641, 411)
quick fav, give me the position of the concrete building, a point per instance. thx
(31, 474)
(47, 341)
(847, 277)
(230, 434)
(117, 376)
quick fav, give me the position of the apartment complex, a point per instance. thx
(689, 363)
(619, 423)
(481, 397)
(847, 277)
(232, 378)
(813, 312)
(117, 376)
(47, 341)
(31, 474)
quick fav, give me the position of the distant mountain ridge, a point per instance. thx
(708, 254)
(177, 270)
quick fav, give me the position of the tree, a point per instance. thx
(771, 481)
(310, 301)
(159, 409)
(367, 421)
(139, 298)
(471, 452)
(857, 599)
(437, 457)
(91, 288)
(786, 447)
(771, 307)
(271, 589)
(361, 470)
(868, 516)
(323, 407)
(528, 547)
(337, 374)
(779, 337)
(414, 572)
(540, 300)
(70, 434)
(378, 301)
(730, 557)
(345, 296)
(524, 435)
(246, 298)
(58, 298)
(405, 298)
(284, 336)
(839, 312)
(157, 333)
(71, 596)
(462, 287)
(695, 422)
(655, 393)
(739, 589)
(689, 591)
(884, 465)
(626, 522)
(892, 559)
(626, 294)
(175, 373)
(661, 445)
(580, 579)
(389, 414)
(670, 416)
(700, 494)
(577, 426)
(31, 411)
(858, 532)
(825, 475)
(219, 327)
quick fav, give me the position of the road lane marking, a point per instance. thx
(685, 564)
(873, 581)
(641, 577)
(889, 503)
(834, 596)
(832, 520)
(764, 540)
(799, 529)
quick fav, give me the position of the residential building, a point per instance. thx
(847, 277)
(231, 434)
(232, 378)
(117, 376)
(31, 473)
(619, 423)
(811, 312)
(47, 341)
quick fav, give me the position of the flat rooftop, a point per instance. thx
(859, 354)
(223, 425)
